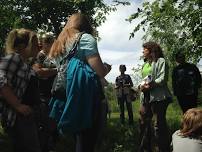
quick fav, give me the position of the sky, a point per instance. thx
(115, 47)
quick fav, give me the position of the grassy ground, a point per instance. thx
(124, 138)
(116, 137)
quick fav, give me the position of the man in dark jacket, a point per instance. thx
(186, 80)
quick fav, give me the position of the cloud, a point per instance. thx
(131, 59)
(115, 47)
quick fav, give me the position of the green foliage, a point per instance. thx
(175, 24)
(48, 14)
(111, 97)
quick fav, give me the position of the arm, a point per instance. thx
(44, 72)
(174, 81)
(117, 85)
(13, 101)
(8, 68)
(161, 76)
(198, 77)
(96, 63)
(130, 84)
(88, 47)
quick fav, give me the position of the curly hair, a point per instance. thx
(155, 50)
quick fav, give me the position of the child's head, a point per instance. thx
(23, 41)
(192, 122)
(47, 41)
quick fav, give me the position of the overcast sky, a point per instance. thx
(115, 47)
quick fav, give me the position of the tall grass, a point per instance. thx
(116, 137)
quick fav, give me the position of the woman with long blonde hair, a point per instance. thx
(85, 94)
(15, 74)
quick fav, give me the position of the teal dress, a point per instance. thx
(83, 91)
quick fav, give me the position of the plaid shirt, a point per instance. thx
(16, 74)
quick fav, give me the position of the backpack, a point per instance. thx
(186, 81)
(84, 94)
(59, 84)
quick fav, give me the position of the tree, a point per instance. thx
(175, 24)
(49, 14)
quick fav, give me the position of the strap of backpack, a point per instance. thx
(74, 49)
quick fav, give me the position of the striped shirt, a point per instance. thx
(15, 73)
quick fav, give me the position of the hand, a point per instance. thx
(36, 67)
(108, 66)
(23, 109)
(144, 87)
(116, 87)
(126, 85)
(142, 110)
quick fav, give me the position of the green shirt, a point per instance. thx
(146, 70)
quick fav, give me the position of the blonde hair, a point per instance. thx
(192, 123)
(47, 38)
(77, 22)
(18, 39)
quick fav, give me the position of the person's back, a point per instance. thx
(84, 69)
(189, 137)
(186, 80)
(186, 144)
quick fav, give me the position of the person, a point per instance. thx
(104, 104)
(189, 137)
(155, 98)
(46, 72)
(45, 68)
(186, 80)
(123, 83)
(82, 92)
(15, 81)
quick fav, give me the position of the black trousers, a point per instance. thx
(187, 102)
(122, 100)
(24, 135)
(157, 111)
